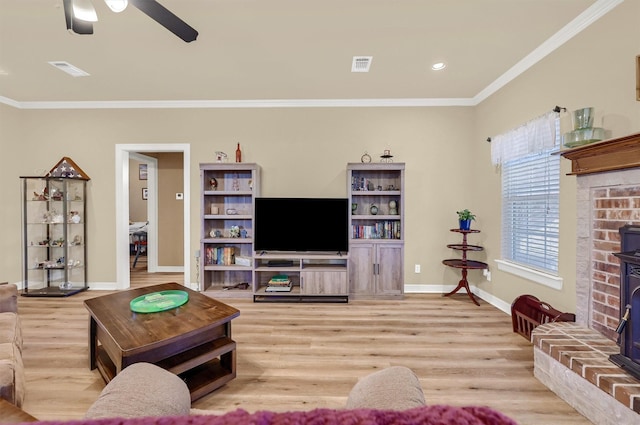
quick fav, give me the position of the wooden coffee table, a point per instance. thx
(192, 341)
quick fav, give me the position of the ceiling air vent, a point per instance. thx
(361, 63)
(69, 69)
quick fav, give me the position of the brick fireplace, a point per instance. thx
(573, 359)
(607, 199)
(606, 202)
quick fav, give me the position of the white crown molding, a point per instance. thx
(230, 104)
(10, 102)
(582, 21)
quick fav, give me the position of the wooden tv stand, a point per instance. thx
(314, 277)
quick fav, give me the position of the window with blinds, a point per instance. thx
(531, 210)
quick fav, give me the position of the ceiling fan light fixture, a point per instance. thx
(117, 6)
(84, 11)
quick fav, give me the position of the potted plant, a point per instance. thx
(464, 218)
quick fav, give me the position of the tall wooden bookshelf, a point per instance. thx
(228, 192)
(376, 243)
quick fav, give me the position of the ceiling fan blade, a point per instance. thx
(74, 24)
(166, 18)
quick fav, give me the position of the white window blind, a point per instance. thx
(531, 203)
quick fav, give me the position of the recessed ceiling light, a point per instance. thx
(438, 66)
(74, 71)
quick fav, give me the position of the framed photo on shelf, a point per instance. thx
(145, 193)
(142, 171)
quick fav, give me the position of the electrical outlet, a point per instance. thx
(179, 196)
(417, 269)
(489, 276)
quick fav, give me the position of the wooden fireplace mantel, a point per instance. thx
(608, 155)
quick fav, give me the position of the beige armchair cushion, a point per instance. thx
(8, 298)
(393, 388)
(10, 330)
(12, 380)
(142, 389)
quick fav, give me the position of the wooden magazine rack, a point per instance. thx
(528, 312)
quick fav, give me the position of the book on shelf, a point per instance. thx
(380, 230)
(220, 255)
(279, 278)
(243, 261)
(279, 288)
(279, 283)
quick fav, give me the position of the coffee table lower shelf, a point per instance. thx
(203, 368)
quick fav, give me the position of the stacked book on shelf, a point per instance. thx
(220, 255)
(378, 230)
(279, 283)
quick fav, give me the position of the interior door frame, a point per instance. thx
(122, 153)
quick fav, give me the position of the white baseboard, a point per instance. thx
(443, 289)
(169, 269)
(408, 289)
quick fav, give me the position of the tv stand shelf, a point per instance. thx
(314, 277)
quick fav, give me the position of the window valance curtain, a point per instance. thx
(532, 137)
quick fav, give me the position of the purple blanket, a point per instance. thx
(426, 415)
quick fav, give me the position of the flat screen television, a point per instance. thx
(301, 225)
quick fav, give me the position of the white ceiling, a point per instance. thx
(292, 51)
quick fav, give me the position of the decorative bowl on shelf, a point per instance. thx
(582, 136)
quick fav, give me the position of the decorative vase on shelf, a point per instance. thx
(373, 209)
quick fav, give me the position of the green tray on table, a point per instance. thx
(158, 301)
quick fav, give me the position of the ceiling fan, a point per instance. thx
(80, 16)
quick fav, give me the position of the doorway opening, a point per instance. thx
(123, 154)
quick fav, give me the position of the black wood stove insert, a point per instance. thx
(629, 326)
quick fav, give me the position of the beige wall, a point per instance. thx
(301, 152)
(596, 68)
(137, 205)
(304, 152)
(170, 210)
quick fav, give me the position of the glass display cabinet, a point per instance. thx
(54, 236)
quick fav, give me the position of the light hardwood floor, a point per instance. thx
(303, 356)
